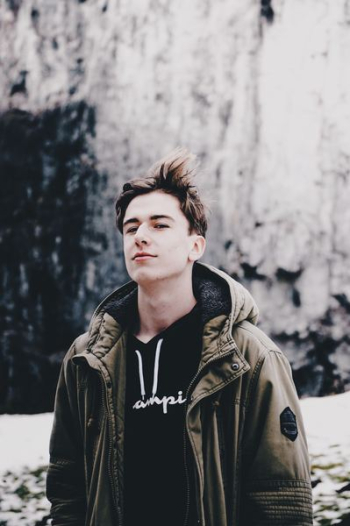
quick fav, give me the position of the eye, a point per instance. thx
(161, 225)
(131, 230)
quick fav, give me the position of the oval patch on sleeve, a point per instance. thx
(289, 426)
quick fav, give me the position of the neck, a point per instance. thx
(160, 305)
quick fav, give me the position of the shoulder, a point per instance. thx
(80, 343)
(258, 349)
(269, 379)
(246, 334)
(78, 346)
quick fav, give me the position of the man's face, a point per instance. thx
(157, 242)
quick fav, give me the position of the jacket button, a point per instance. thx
(91, 422)
(234, 366)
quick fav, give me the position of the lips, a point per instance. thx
(143, 255)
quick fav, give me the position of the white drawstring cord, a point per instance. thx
(155, 371)
(156, 368)
(142, 381)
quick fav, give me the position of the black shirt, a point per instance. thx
(159, 373)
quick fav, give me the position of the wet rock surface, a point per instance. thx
(48, 176)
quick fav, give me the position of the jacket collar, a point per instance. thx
(223, 301)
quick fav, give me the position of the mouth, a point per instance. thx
(140, 256)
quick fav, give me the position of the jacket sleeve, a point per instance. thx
(65, 477)
(276, 487)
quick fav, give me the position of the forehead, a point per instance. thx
(154, 203)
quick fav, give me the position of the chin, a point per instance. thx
(143, 276)
(147, 276)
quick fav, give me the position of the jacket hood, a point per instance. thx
(221, 294)
(217, 293)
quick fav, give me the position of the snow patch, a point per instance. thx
(25, 441)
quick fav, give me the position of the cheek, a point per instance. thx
(126, 244)
(180, 250)
(127, 251)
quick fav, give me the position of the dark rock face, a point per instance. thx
(314, 370)
(319, 353)
(47, 175)
(267, 10)
(320, 357)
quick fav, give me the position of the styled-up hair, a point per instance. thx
(172, 175)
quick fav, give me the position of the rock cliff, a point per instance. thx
(95, 91)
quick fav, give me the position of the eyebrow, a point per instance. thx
(153, 218)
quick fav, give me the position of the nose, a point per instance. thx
(141, 235)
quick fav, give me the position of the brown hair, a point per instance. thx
(172, 175)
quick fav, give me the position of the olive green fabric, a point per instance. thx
(247, 472)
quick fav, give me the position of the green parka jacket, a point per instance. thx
(244, 432)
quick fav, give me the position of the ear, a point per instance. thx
(197, 247)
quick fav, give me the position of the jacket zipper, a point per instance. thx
(194, 379)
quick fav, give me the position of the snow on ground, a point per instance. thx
(24, 455)
(24, 443)
(327, 425)
(327, 418)
(25, 440)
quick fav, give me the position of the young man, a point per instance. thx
(175, 409)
